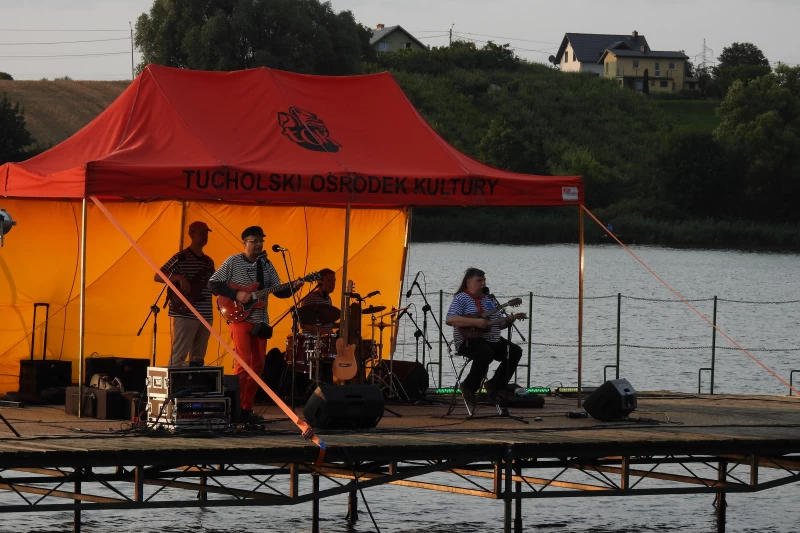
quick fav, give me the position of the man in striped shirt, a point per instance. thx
(190, 270)
(471, 299)
(250, 336)
(321, 294)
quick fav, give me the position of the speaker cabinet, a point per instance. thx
(413, 378)
(344, 407)
(613, 399)
(232, 392)
(104, 404)
(132, 372)
(35, 376)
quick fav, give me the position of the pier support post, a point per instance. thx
(508, 495)
(720, 502)
(315, 503)
(76, 514)
(518, 501)
(352, 508)
(138, 482)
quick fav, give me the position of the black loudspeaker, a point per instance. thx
(132, 372)
(232, 391)
(35, 376)
(613, 399)
(344, 407)
(412, 377)
(104, 404)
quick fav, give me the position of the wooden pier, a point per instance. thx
(671, 444)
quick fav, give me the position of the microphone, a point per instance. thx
(486, 291)
(370, 295)
(411, 288)
(403, 311)
(276, 248)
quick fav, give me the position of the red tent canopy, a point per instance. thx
(265, 135)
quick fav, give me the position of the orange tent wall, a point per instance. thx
(41, 263)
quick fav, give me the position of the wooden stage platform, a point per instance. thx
(671, 444)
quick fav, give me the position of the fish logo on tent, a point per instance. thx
(307, 130)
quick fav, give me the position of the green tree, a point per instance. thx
(14, 135)
(5, 76)
(740, 61)
(760, 121)
(297, 35)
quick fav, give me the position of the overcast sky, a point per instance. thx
(534, 28)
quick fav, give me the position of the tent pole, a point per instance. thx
(82, 311)
(580, 303)
(343, 283)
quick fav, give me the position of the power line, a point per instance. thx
(70, 42)
(515, 47)
(432, 36)
(51, 30)
(509, 38)
(64, 56)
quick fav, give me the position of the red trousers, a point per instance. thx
(252, 350)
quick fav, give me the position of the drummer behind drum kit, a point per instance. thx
(314, 352)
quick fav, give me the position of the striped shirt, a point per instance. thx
(237, 269)
(198, 270)
(316, 297)
(464, 304)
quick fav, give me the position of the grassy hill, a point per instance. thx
(699, 114)
(54, 110)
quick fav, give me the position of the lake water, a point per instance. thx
(664, 345)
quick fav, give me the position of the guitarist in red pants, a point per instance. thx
(249, 335)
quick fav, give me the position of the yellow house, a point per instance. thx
(645, 70)
(393, 38)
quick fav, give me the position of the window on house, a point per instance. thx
(566, 57)
(664, 83)
(606, 68)
(635, 65)
(658, 69)
(408, 45)
(384, 47)
(672, 65)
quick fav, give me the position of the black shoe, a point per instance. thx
(469, 396)
(247, 416)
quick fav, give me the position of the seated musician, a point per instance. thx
(190, 270)
(471, 300)
(321, 294)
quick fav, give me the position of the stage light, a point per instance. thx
(6, 223)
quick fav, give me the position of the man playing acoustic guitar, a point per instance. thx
(250, 335)
(470, 299)
(190, 270)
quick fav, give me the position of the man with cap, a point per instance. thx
(250, 335)
(190, 270)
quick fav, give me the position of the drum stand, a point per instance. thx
(387, 383)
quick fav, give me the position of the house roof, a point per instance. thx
(378, 35)
(624, 52)
(589, 47)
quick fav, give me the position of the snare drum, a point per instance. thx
(303, 351)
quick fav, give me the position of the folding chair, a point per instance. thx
(457, 391)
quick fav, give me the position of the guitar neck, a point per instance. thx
(270, 290)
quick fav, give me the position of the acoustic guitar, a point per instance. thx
(345, 366)
(235, 311)
(475, 332)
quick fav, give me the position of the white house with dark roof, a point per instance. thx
(393, 38)
(581, 52)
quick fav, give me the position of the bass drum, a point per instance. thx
(303, 350)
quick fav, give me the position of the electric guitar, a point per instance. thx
(345, 366)
(197, 283)
(233, 310)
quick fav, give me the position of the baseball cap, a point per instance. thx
(198, 226)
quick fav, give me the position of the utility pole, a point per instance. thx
(451, 34)
(133, 75)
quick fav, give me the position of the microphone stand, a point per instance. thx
(417, 335)
(154, 310)
(295, 323)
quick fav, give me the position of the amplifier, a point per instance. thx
(188, 412)
(183, 381)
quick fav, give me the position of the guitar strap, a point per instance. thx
(259, 274)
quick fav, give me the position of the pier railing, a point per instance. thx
(636, 319)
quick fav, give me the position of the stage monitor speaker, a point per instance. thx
(614, 399)
(344, 407)
(35, 376)
(413, 378)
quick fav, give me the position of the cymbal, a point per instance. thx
(322, 313)
(381, 325)
(373, 309)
